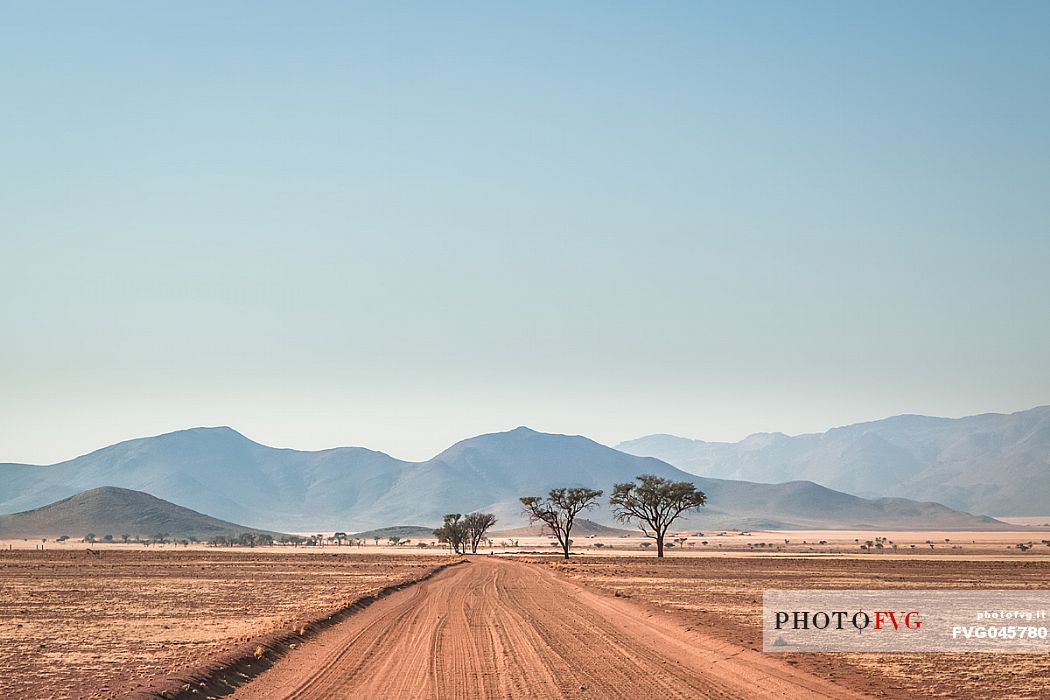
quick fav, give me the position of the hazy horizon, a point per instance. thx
(397, 227)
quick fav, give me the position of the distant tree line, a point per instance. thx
(464, 531)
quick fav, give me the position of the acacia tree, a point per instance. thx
(453, 531)
(476, 525)
(654, 503)
(559, 509)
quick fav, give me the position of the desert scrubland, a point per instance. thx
(76, 624)
(723, 597)
(86, 622)
(1029, 544)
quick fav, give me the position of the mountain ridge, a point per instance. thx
(989, 463)
(221, 472)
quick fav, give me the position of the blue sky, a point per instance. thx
(399, 225)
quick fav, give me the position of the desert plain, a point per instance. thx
(515, 620)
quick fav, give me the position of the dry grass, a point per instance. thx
(723, 597)
(77, 625)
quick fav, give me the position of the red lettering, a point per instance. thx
(880, 615)
(912, 624)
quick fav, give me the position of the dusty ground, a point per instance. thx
(74, 625)
(723, 597)
(888, 543)
(910, 543)
(493, 628)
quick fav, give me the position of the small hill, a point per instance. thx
(581, 528)
(114, 511)
(401, 531)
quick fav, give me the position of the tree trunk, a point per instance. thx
(660, 546)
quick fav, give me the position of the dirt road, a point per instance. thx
(503, 629)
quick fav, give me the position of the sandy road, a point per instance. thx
(502, 629)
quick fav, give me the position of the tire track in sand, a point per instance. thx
(503, 629)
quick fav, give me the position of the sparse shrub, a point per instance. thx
(559, 509)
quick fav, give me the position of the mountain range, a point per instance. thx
(991, 463)
(221, 472)
(113, 511)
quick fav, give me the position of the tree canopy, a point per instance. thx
(654, 503)
(453, 532)
(476, 525)
(462, 531)
(559, 510)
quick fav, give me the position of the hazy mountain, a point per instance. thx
(991, 463)
(112, 511)
(221, 472)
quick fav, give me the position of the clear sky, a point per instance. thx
(400, 224)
